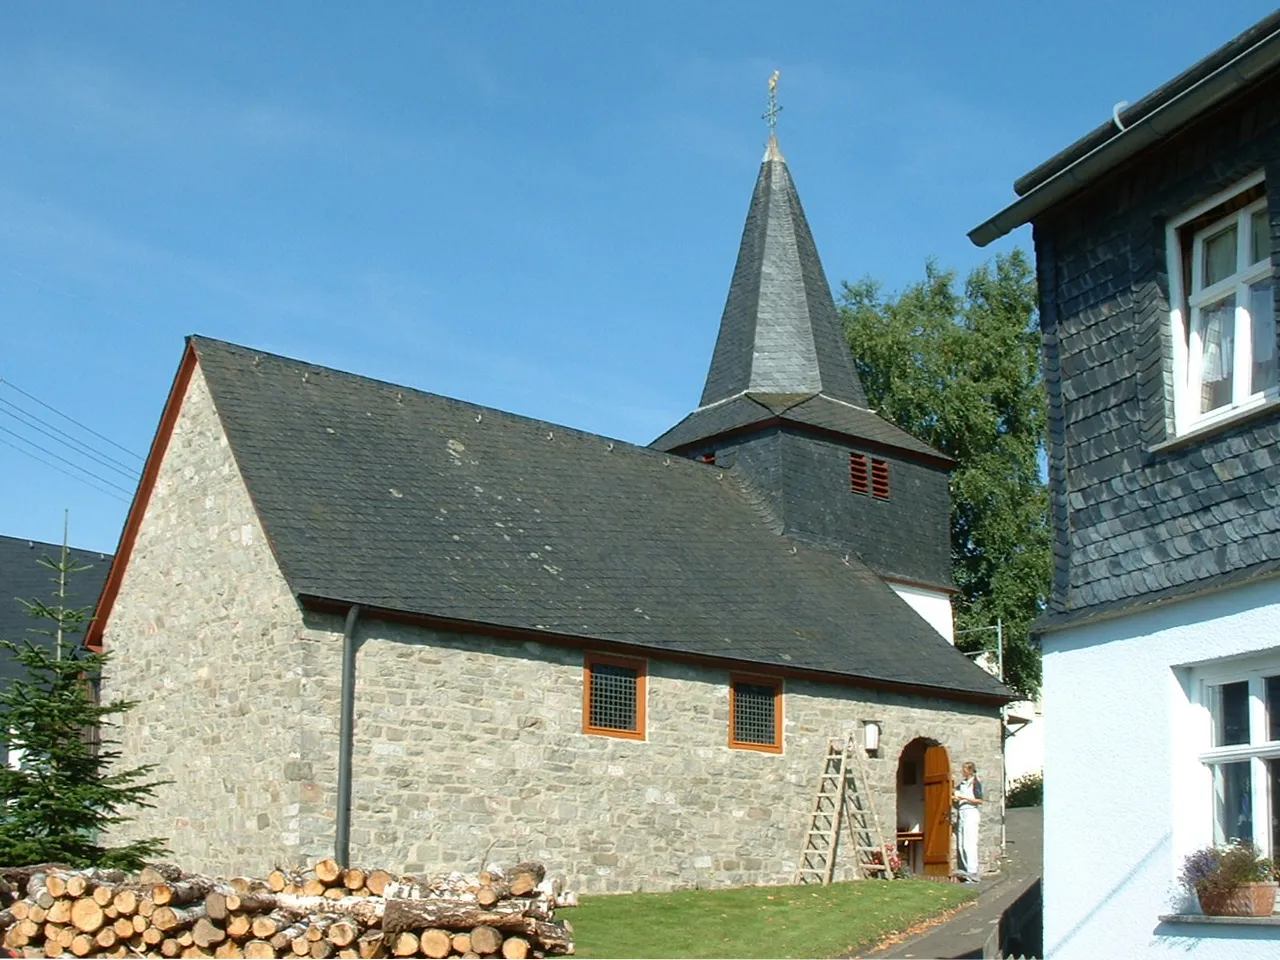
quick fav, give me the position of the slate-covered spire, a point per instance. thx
(779, 334)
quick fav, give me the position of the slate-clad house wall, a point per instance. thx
(1161, 645)
(547, 626)
(1140, 515)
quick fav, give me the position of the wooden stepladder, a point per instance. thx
(842, 797)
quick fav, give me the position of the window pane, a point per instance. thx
(1273, 708)
(1217, 353)
(613, 697)
(753, 716)
(1273, 779)
(1232, 799)
(1261, 244)
(1262, 314)
(1219, 256)
(1231, 714)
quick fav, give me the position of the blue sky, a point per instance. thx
(530, 206)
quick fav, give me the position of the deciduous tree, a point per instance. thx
(960, 370)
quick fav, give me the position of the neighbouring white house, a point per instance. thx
(1154, 236)
(1023, 749)
(1023, 740)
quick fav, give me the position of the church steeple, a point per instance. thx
(779, 334)
(783, 408)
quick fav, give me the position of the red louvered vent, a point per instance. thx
(880, 479)
(858, 473)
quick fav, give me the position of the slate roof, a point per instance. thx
(781, 351)
(813, 410)
(406, 501)
(779, 332)
(22, 577)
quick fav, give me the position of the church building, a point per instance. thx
(367, 621)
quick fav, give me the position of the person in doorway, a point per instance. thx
(968, 802)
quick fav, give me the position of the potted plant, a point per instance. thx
(1231, 881)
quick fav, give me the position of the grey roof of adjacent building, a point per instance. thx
(408, 502)
(1165, 111)
(24, 578)
(781, 351)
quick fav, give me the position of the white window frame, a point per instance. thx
(1187, 355)
(1254, 670)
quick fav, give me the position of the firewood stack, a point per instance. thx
(323, 912)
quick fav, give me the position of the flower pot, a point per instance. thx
(1246, 900)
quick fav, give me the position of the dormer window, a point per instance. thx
(1223, 306)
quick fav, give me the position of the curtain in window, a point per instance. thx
(1217, 340)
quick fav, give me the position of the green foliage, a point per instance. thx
(802, 921)
(68, 790)
(1026, 791)
(961, 371)
(1217, 871)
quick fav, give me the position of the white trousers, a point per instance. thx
(967, 840)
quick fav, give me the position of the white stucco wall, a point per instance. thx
(1125, 796)
(1024, 748)
(933, 605)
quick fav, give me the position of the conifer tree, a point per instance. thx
(63, 787)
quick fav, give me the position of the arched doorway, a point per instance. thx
(924, 806)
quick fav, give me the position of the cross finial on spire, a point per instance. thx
(771, 114)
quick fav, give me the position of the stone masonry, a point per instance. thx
(465, 742)
(466, 746)
(206, 636)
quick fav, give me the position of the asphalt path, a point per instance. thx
(975, 930)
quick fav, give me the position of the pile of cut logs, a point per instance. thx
(327, 911)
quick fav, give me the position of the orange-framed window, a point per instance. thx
(755, 713)
(613, 696)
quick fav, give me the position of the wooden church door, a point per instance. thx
(937, 812)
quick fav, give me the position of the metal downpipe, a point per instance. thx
(346, 736)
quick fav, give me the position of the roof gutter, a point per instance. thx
(1234, 75)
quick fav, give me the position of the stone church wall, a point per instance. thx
(467, 745)
(207, 637)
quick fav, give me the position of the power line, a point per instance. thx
(54, 466)
(111, 463)
(12, 386)
(70, 463)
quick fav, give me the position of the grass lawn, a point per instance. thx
(802, 921)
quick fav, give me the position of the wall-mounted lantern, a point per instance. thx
(871, 735)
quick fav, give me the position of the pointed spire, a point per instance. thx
(780, 334)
